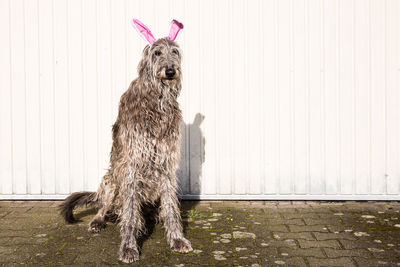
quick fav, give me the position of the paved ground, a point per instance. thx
(260, 233)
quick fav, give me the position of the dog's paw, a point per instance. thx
(111, 217)
(181, 245)
(96, 226)
(129, 255)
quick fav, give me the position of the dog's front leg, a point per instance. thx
(171, 217)
(131, 223)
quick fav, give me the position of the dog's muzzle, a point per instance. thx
(170, 73)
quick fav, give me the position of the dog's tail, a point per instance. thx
(76, 199)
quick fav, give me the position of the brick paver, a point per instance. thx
(226, 233)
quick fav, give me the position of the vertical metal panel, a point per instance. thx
(346, 97)
(46, 88)
(378, 94)
(61, 97)
(92, 170)
(33, 151)
(76, 93)
(254, 101)
(362, 97)
(269, 84)
(193, 78)
(331, 96)
(300, 98)
(6, 164)
(239, 94)
(208, 91)
(284, 97)
(281, 99)
(392, 94)
(18, 97)
(223, 58)
(316, 94)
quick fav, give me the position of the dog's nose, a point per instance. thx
(170, 72)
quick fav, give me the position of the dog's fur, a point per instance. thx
(145, 155)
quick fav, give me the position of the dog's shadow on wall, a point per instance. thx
(192, 158)
(190, 168)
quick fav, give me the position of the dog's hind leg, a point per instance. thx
(99, 221)
(171, 217)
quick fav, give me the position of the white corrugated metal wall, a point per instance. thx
(288, 99)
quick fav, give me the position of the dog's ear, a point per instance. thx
(175, 28)
(143, 64)
(143, 31)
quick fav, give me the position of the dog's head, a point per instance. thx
(162, 62)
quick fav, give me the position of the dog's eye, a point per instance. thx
(175, 52)
(157, 53)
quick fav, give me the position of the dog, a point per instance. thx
(145, 152)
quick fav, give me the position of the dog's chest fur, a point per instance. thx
(157, 159)
(147, 134)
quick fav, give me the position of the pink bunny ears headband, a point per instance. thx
(175, 28)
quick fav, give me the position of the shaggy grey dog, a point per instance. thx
(145, 154)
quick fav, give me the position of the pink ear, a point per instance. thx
(144, 31)
(176, 26)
